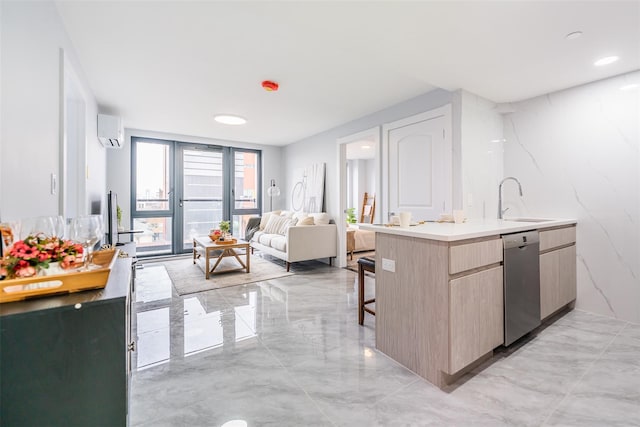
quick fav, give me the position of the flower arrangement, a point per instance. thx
(26, 257)
(224, 226)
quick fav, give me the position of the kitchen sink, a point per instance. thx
(526, 220)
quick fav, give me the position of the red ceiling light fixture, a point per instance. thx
(270, 86)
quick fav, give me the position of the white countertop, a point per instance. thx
(470, 229)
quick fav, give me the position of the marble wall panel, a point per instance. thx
(577, 154)
(481, 132)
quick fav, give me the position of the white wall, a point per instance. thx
(361, 179)
(352, 185)
(370, 174)
(1, 109)
(577, 154)
(321, 148)
(32, 35)
(362, 185)
(481, 134)
(367, 182)
(119, 167)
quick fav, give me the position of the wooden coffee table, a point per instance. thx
(211, 250)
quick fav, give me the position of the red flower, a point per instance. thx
(28, 253)
(27, 256)
(27, 271)
(43, 256)
(71, 261)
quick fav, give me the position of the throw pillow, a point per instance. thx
(306, 221)
(321, 218)
(300, 215)
(265, 218)
(277, 225)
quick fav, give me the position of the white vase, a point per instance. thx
(54, 268)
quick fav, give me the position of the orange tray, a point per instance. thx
(30, 287)
(225, 242)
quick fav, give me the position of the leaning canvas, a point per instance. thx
(308, 193)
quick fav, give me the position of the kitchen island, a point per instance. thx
(439, 290)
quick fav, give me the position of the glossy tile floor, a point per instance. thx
(289, 352)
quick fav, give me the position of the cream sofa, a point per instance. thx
(292, 242)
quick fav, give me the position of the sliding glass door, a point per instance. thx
(182, 190)
(201, 191)
(245, 190)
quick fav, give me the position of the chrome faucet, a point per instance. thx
(500, 211)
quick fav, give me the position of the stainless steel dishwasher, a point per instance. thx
(521, 284)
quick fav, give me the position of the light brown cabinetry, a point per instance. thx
(557, 237)
(476, 317)
(476, 298)
(441, 309)
(557, 269)
(440, 305)
(467, 256)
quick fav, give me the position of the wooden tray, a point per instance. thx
(225, 242)
(29, 287)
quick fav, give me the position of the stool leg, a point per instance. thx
(360, 294)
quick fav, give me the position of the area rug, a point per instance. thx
(188, 278)
(352, 264)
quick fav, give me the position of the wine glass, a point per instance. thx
(87, 230)
(37, 225)
(50, 226)
(59, 226)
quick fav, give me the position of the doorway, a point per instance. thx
(182, 190)
(360, 172)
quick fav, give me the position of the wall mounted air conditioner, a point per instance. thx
(110, 132)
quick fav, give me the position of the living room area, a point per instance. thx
(251, 149)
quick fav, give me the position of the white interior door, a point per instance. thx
(73, 198)
(420, 165)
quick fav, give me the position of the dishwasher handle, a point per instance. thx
(520, 240)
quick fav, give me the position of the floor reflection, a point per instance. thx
(171, 326)
(202, 330)
(153, 340)
(246, 328)
(153, 284)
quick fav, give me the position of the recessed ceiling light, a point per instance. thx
(605, 61)
(630, 87)
(573, 35)
(230, 119)
(365, 147)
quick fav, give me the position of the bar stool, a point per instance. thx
(364, 264)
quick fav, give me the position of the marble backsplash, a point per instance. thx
(577, 155)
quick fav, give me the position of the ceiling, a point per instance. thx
(170, 66)
(364, 149)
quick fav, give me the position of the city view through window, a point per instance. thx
(205, 194)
